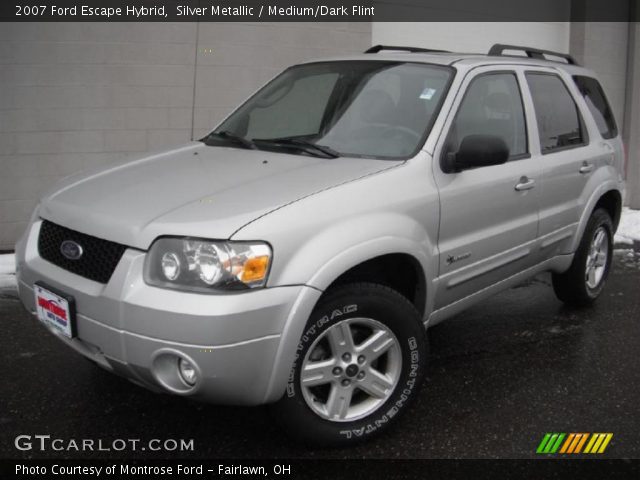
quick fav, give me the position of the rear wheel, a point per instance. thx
(584, 281)
(360, 362)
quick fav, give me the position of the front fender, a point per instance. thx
(369, 249)
(341, 246)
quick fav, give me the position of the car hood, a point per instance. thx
(193, 190)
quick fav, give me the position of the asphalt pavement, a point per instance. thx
(502, 374)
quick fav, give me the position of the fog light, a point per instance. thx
(187, 372)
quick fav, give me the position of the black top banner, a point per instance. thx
(317, 10)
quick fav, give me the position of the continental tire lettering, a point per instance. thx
(381, 421)
(404, 396)
(415, 357)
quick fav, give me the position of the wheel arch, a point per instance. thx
(607, 196)
(391, 261)
(400, 271)
(611, 201)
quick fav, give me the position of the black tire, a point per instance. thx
(571, 287)
(344, 305)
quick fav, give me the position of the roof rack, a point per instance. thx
(378, 48)
(498, 51)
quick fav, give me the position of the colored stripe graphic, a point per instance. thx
(543, 443)
(581, 443)
(550, 443)
(591, 442)
(573, 443)
(598, 442)
(556, 446)
(567, 443)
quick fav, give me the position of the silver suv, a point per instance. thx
(297, 254)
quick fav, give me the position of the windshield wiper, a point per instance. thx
(296, 143)
(232, 137)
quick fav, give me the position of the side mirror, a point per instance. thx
(477, 151)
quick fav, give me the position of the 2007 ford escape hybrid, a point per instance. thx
(297, 253)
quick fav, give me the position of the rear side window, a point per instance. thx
(559, 122)
(598, 105)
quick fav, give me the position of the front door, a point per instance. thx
(488, 215)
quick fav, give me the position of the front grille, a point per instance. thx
(99, 257)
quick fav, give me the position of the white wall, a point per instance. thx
(632, 128)
(78, 95)
(473, 37)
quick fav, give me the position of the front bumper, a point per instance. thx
(242, 344)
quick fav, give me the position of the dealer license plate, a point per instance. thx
(55, 309)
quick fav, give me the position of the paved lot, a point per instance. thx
(502, 374)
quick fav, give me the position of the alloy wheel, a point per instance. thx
(351, 369)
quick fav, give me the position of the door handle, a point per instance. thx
(586, 167)
(525, 183)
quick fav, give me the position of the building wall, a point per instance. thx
(473, 37)
(78, 95)
(632, 118)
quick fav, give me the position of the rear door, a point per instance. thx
(489, 215)
(568, 157)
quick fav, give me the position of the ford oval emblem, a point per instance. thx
(71, 250)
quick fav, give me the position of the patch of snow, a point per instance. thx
(8, 270)
(629, 228)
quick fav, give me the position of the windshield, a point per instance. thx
(351, 108)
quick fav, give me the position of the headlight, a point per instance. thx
(207, 266)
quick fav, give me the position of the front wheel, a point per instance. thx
(585, 279)
(359, 363)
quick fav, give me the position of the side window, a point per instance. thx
(492, 105)
(559, 122)
(598, 105)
